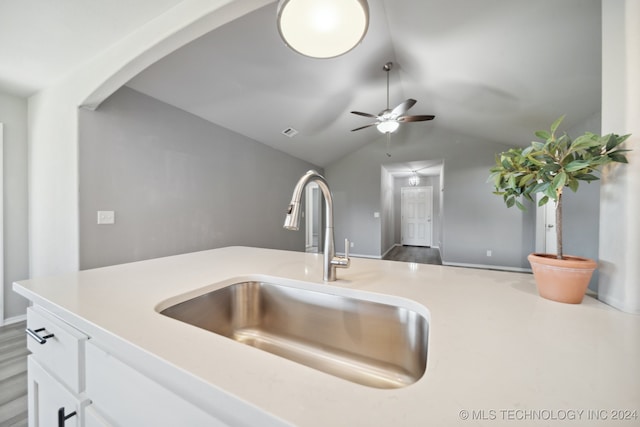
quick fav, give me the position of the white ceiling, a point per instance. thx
(42, 40)
(495, 69)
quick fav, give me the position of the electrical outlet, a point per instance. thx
(488, 252)
(106, 217)
(352, 244)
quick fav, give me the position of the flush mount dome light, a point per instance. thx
(387, 126)
(322, 28)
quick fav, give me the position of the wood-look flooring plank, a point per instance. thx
(13, 387)
(417, 254)
(14, 413)
(13, 375)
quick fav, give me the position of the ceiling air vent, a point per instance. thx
(290, 132)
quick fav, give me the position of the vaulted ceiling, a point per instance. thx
(495, 69)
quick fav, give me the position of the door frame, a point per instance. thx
(312, 214)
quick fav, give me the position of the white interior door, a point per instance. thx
(1, 230)
(417, 213)
(550, 241)
(546, 228)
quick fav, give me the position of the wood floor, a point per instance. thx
(417, 254)
(13, 375)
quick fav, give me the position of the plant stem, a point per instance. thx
(559, 224)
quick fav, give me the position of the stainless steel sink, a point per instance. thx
(366, 342)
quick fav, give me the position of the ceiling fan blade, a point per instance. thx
(364, 127)
(360, 113)
(420, 118)
(403, 107)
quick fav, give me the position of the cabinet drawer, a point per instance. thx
(62, 352)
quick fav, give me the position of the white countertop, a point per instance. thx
(496, 349)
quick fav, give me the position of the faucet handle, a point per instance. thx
(346, 248)
(342, 261)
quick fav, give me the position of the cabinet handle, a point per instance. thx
(34, 334)
(62, 417)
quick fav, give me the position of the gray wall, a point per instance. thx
(13, 114)
(177, 184)
(474, 220)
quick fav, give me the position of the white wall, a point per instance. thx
(177, 183)
(13, 114)
(620, 201)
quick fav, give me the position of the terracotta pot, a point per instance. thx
(563, 280)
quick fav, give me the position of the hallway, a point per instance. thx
(417, 254)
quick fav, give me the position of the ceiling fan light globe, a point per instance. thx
(388, 126)
(323, 28)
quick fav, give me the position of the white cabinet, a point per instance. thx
(123, 396)
(55, 371)
(58, 347)
(77, 381)
(50, 403)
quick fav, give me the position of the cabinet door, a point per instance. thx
(93, 419)
(124, 397)
(48, 400)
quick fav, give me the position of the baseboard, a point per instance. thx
(617, 304)
(364, 256)
(488, 267)
(12, 320)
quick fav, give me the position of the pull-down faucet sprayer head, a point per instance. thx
(292, 220)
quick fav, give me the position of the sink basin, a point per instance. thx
(366, 342)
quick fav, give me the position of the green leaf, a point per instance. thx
(520, 206)
(617, 157)
(576, 165)
(537, 145)
(510, 201)
(551, 192)
(573, 184)
(543, 201)
(525, 179)
(543, 134)
(555, 124)
(586, 177)
(588, 140)
(559, 180)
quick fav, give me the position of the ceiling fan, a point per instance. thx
(388, 120)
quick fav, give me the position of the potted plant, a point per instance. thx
(548, 168)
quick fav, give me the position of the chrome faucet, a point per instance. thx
(292, 222)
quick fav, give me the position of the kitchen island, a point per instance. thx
(498, 354)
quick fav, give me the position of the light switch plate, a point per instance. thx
(106, 217)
